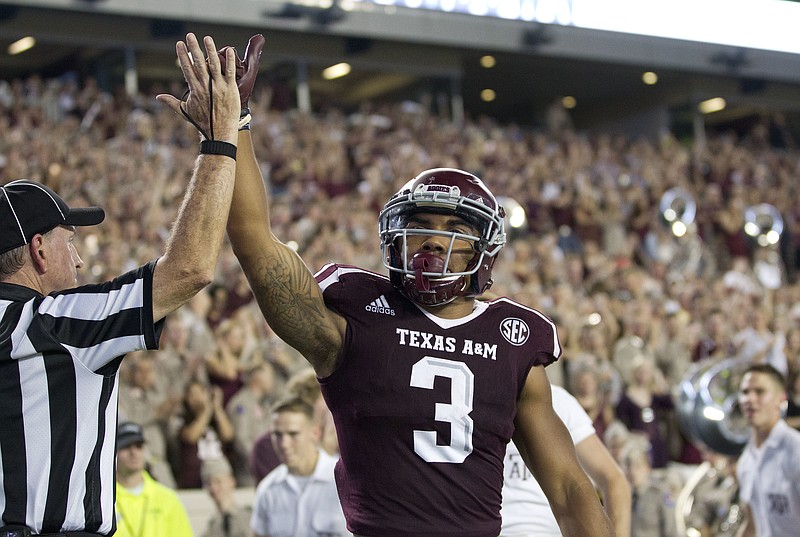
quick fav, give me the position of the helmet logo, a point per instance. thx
(515, 331)
(446, 189)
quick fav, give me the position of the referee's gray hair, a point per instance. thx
(11, 261)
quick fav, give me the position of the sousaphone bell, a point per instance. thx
(764, 223)
(678, 210)
(708, 408)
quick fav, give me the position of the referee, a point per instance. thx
(61, 345)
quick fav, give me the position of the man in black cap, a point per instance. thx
(128, 434)
(61, 345)
(33, 215)
(145, 507)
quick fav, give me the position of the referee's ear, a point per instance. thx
(36, 249)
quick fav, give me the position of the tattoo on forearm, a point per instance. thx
(286, 292)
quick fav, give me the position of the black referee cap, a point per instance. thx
(28, 208)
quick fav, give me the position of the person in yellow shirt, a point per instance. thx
(145, 507)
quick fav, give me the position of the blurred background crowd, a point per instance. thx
(636, 306)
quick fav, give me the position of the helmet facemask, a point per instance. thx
(426, 278)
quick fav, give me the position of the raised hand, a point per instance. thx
(247, 69)
(252, 55)
(212, 103)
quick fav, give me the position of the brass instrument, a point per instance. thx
(709, 415)
(708, 409)
(764, 223)
(678, 210)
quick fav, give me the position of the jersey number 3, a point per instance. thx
(456, 413)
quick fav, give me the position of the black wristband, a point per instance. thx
(215, 147)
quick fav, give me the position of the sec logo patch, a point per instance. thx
(515, 331)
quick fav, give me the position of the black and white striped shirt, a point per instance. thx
(59, 363)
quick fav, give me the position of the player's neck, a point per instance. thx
(458, 308)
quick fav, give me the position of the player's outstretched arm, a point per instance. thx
(196, 238)
(610, 479)
(547, 449)
(286, 291)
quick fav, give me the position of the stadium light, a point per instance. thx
(649, 78)
(709, 106)
(336, 71)
(21, 45)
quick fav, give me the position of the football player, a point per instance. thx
(426, 383)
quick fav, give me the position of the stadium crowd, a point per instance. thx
(635, 305)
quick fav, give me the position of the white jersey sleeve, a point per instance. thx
(525, 510)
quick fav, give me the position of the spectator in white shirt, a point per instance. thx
(298, 497)
(768, 470)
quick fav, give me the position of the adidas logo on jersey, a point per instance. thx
(380, 305)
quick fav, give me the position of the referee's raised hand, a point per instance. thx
(212, 103)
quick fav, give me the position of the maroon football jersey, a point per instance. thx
(424, 406)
